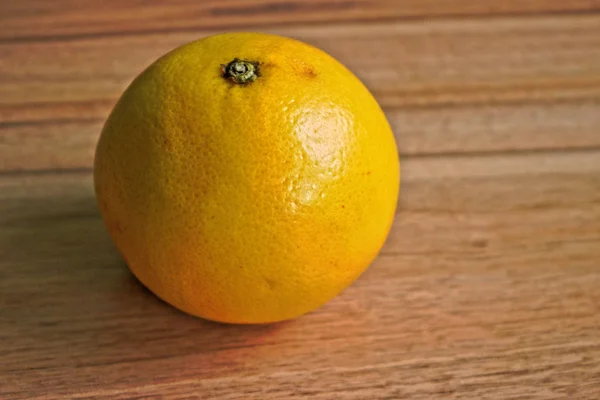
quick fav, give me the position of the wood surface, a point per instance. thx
(487, 288)
(43, 20)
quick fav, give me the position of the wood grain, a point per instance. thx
(438, 63)
(470, 128)
(487, 288)
(480, 85)
(40, 19)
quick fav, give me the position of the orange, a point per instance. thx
(247, 178)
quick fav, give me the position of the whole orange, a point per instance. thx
(247, 178)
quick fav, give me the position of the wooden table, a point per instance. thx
(488, 287)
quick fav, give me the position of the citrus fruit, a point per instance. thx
(247, 178)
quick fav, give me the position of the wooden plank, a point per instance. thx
(488, 287)
(435, 63)
(70, 144)
(506, 84)
(34, 19)
(496, 128)
(48, 145)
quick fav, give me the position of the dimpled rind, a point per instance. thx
(247, 203)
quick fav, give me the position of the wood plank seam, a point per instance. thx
(408, 19)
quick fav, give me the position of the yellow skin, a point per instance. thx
(247, 203)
